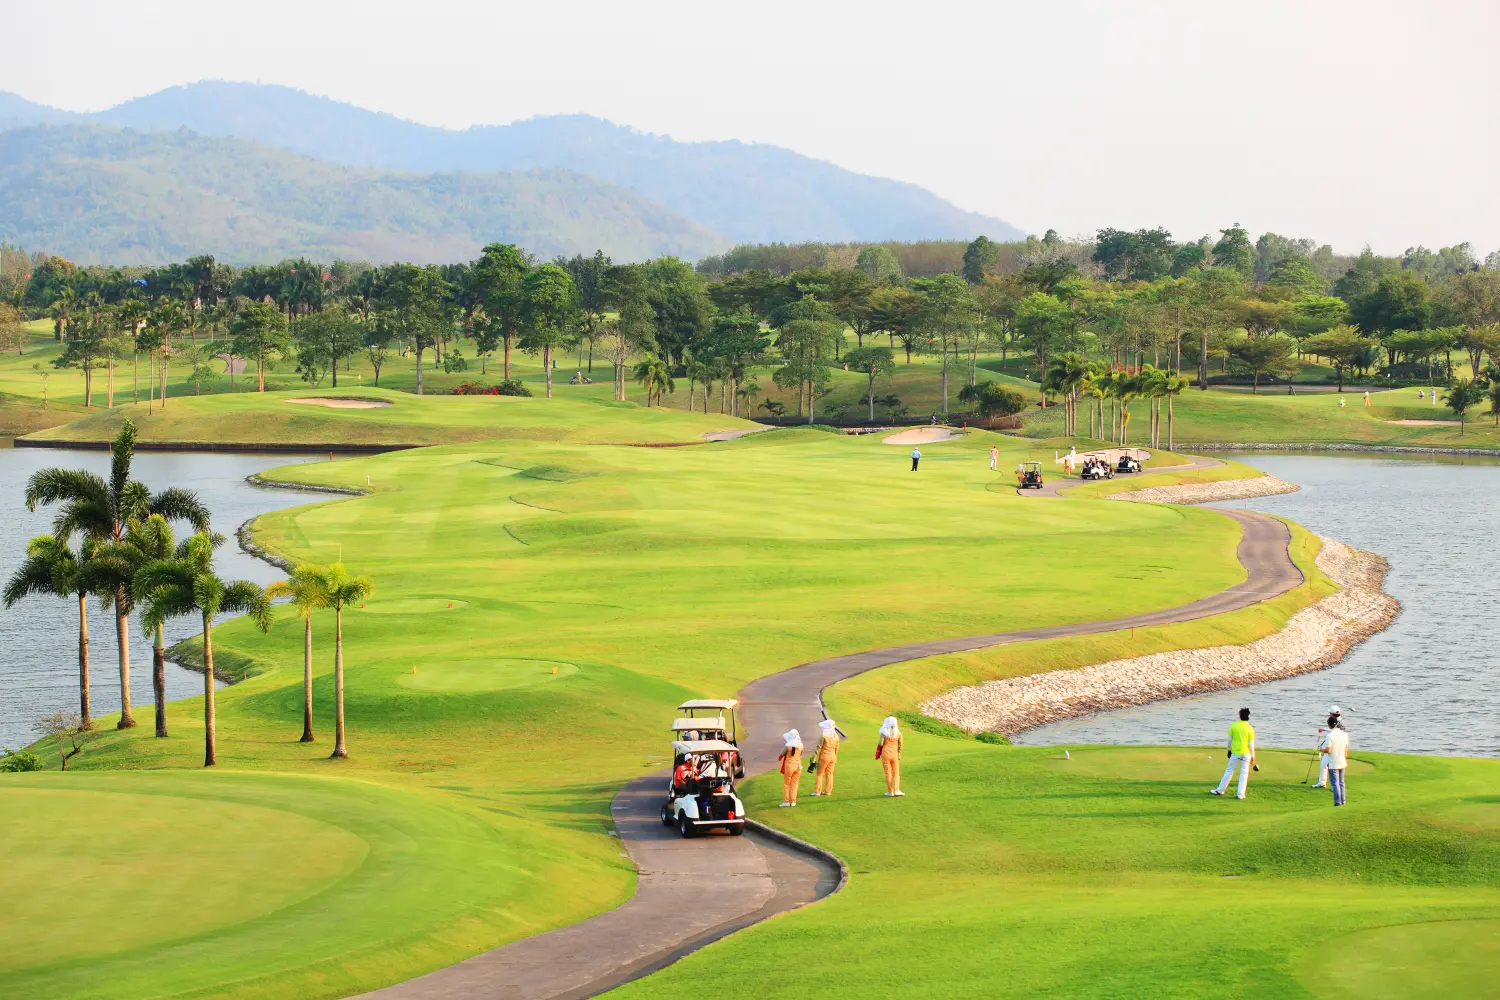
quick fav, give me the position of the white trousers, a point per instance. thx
(1242, 761)
(1322, 771)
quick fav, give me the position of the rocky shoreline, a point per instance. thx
(1314, 638)
(1227, 489)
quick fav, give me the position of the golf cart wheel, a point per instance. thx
(666, 816)
(685, 826)
(738, 830)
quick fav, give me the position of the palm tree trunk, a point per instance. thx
(135, 378)
(547, 367)
(307, 733)
(164, 378)
(109, 401)
(507, 358)
(338, 683)
(1170, 441)
(122, 636)
(159, 683)
(419, 369)
(210, 744)
(84, 708)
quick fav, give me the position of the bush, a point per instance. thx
(16, 761)
(992, 399)
(995, 739)
(510, 387)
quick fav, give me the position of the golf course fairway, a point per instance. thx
(473, 809)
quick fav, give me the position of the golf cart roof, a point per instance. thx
(702, 725)
(703, 746)
(1037, 464)
(700, 703)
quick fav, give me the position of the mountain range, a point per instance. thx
(692, 197)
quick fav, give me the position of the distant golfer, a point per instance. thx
(994, 457)
(1335, 744)
(1241, 753)
(1341, 402)
(1367, 397)
(916, 456)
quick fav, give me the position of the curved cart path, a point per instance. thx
(692, 892)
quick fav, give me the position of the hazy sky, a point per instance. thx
(1348, 121)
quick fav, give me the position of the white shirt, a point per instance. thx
(1336, 746)
(915, 453)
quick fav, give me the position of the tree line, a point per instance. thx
(1126, 299)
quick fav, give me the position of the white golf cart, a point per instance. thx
(700, 789)
(716, 708)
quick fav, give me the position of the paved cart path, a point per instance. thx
(692, 892)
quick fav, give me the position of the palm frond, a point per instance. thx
(246, 597)
(122, 452)
(93, 517)
(181, 505)
(49, 486)
(133, 502)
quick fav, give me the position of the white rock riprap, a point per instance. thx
(1315, 637)
(1228, 489)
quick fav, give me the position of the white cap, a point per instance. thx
(1335, 711)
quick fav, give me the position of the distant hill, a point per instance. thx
(750, 193)
(98, 194)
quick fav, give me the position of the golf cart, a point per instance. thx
(1095, 468)
(1128, 463)
(715, 708)
(700, 789)
(1031, 476)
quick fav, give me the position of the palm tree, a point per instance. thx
(149, 541)
(187, 584)
(53, 568)
(656, 377)
(1126, 387)
(1064, 377)
(102, 512)
(342, 589)
(1175, 385)
(1493, 395)
(307, 586)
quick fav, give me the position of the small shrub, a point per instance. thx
(16, 761)
(995, 739)
(512, 387)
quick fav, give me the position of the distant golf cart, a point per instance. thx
(700, 789)
(1030, 476)
(701, 709)
(1128, 463)
(1094, 469)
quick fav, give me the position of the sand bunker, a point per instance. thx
(923, 435)
(1425, 423)
(341, 402)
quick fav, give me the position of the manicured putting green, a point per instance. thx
(449, 676)
(170, 851)
(1439, 960)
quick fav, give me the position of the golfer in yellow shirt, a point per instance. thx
(1241, 753)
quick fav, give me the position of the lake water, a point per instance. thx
(39, 636)
(1428, 684)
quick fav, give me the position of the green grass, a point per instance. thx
(644, 574)
(1011, 872)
